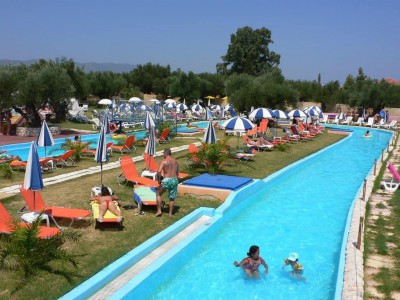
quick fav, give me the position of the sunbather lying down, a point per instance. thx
(106, 202)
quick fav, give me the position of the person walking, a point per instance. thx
(168, 178)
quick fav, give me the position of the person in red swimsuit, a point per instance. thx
(105, 200)
(252, 262)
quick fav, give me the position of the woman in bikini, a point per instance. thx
(251, 263)
(106, 201)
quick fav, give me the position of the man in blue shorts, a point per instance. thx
(169, 169)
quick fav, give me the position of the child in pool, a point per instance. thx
(251, 263)
(293, 261)
(367, 133)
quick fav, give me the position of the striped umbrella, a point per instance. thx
(238, 124)
(308, 108)
(145, 107)
(208, 115)
(209, 135)
(197, 107)
(297, 113)
(170, 105)
(33, 173)
(148, 121)
(151, 143)
(279, 114)
(216, 107)
(170, 101)
(101, 155)
(181, 107)
(341, 116)
(313, 112)
(135, 100)
(45, 137)
(262, 113)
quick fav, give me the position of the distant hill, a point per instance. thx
(87, 67)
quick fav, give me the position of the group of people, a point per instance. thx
(253, 261)
(168, 179)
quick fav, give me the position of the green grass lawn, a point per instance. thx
(100, 248)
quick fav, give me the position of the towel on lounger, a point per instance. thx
(145, 195)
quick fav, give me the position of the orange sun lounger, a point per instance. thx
(35, 203)
(151, 165)
(7, 225)
(129, 173)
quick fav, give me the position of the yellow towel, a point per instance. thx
(96, 211)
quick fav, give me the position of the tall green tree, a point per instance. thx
(10, 78)
(249, 53)
(106, 84)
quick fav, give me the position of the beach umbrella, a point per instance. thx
(341, 116)
(297, 113)
(101, 155)
(216, 107)
(33, 172)
(280, 114)
(105, 102)
(170, 105)
(225, 98)
(106, 122)
(208, 115)
(308, 108)
(135, 100)
(45, 137)
(181, 107)
(261, 113)
(238, 124)
(364, 114)
(313, 112)
(170, 101)
(148, 121)
(154, 101)
(197, 107)
(151, 143)
(145, 107)
(209, 135)
(228, 107)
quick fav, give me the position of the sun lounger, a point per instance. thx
(109, 217)
(152, 168)
(128, 146)
(130, 174)
(35, 203)
(17, 165)
(65, 160)
(7, 225)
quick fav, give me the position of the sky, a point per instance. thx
(333, 38)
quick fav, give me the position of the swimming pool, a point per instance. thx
(22, 149)
(302, 208)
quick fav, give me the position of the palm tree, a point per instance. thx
(22, 251)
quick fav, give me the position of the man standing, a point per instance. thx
(169, 168)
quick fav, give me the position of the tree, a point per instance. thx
(248, 53)
(106, 84)
(10, 78)
(44, 84)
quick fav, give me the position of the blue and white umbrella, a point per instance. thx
(170, 101)
(33, 173)
(169, 105)
(181, 107)
(106, 122)
(313, 112)
(151, 143)
(308, 108)
(45, 137)
(238, 124)
(208, 115)
(297, 113)
(280, 114)
(101, 155)
(228, 107)
(209, 135)
(135, 100)
(216, 107)
(148, 121)
(197, 107)
(341, 116)
(261, 113)
(144, 107)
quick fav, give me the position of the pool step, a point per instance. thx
(142, 264)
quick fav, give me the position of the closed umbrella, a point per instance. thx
(151, 143)
(279, 114)
(341, 116)
(297, 113)
(144, 107)
(209, 135)
(208, 115)
(262, 113)
(101, 155)
(33, 173)
(45, 137)
(148, 121)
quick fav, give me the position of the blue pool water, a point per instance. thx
(304, 209)
(22, 149)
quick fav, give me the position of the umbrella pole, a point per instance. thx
(34, 200)
(101, 173)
